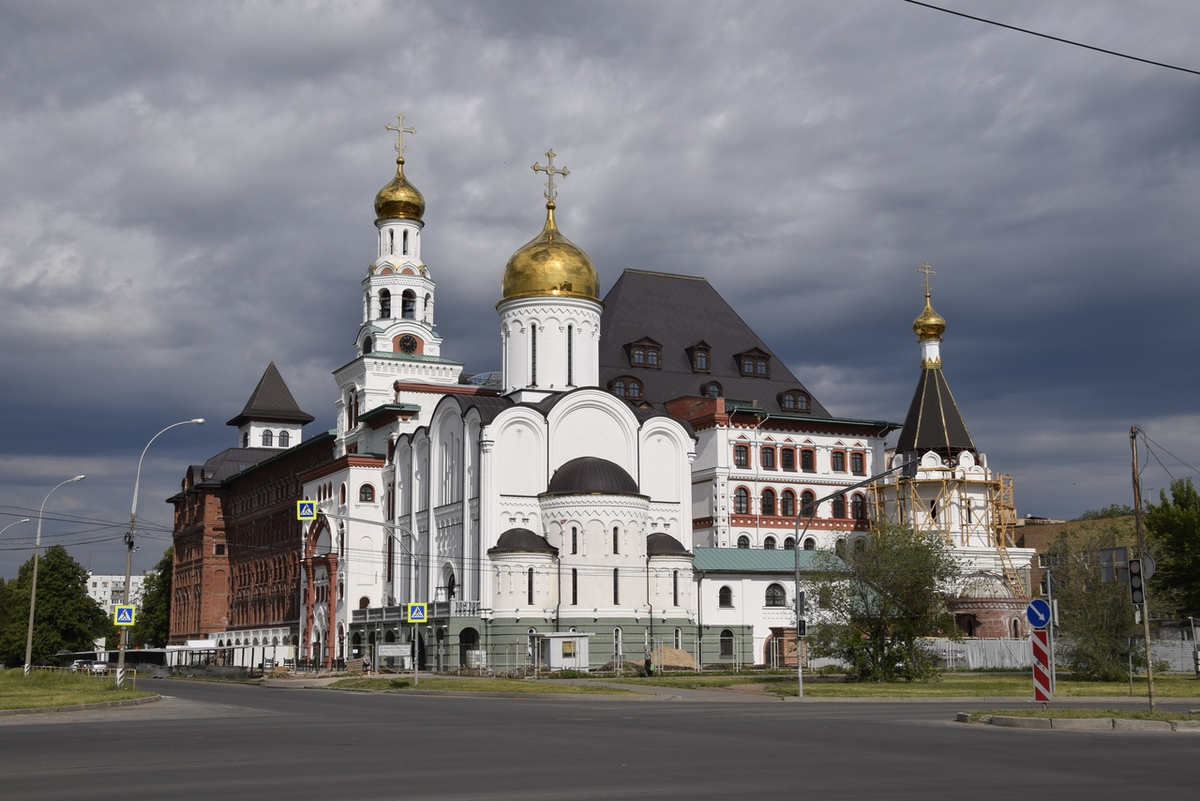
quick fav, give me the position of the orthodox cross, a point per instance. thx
(927, 271)
(550, 171)
(400, 132)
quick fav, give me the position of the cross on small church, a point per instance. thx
(550, 171)
(927, 271)
(400, 132)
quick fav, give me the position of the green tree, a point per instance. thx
(154, 615)
(1112, 510)
(1097, 629)
(66, 617)
(1173, 531)
(879, 600)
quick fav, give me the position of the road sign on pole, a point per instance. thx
(1041, 665)
(124, 615)
(306, 510)
(1038, 613)
(417, 613)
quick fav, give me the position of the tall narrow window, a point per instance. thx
(616, 587)
(807, 507)
(385, 304)
(741, 501)
(574, 540)
(616, 540)
(574, 587)
(768, 502)
(404, 243)
(533, 355)
(839, 506)
(570, 355)
(787, 504)
(408, 305)
(726, 643)
(675, 588)
(858, 508)
(391, 241)
(529, 588)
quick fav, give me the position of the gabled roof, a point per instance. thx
(271, 402)
(681, 311)
(934, 422)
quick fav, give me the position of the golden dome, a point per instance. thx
(399, 199)
(930, 325)
(550, 265)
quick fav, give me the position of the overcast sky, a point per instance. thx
(187, 196)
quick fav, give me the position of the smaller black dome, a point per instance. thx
(590, 475)
(522, 540)
(660, 544)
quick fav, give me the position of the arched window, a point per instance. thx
(744, 542)
(529, 588)
(711, 390)
(268, 439)
(618, 388)
(246, 439)
(342, 495)
(574, 587)
(404, 244)
(574, 540)
(675, 588)
(366, 493)
(616, 587)
(787, 504)
(616, 539)
(726, 643)
(806, 503)
(789, 543)
(725, 598)
(618, 642)
(635, 388)
(769, 544)
(839, 506)
(768, 502)
(385, 303)
(858, 507)
(408, 305)
(776, 596)
(741, 501)
(285, 439)
(810, 544)
(364, 602)
(678, 639)
(391, 242)
(368, 345)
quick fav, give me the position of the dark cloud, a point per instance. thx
(188, 197)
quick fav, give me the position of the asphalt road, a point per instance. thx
(218, 741)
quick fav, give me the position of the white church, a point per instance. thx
(630, 481)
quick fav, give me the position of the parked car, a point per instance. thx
(100, 668)
(82, 664)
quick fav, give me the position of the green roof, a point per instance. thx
(746, 560)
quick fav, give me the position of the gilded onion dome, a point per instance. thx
(930, 325)
(550, 265)
(399, 200)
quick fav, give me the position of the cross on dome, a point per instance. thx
(550, 171)
(400, 132)
(927, 271)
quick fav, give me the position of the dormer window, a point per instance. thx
(626, 387)
(645, 353)
(794, 400)
(701, 357)
(711, 390)
(754, 363)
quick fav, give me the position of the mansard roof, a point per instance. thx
(271, 402)
(681, 311)
(934, 422)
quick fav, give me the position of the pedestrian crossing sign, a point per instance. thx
(418, 613)
(306, 510)
(124, 615)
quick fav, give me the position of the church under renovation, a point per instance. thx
(629, 481)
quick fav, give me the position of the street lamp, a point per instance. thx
(123, 641)
(808, 511)
(10, 525)
(33, 587)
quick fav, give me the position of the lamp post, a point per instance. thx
(37, 545)
(17, 523)
(808, 511)
(123, 641)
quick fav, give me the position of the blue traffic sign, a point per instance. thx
(306, 510)
(124, 615)
(1038, 613)
(418, 613)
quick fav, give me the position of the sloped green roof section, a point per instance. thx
(747, 560)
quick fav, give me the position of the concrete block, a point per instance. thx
(963, 717)
(1083, 724)
(1121, 724)
(1186, 725)
(1020, 723)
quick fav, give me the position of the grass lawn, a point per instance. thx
(950, 685)
(474, 685)
(53, 688)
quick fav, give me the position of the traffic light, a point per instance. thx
(1137, 589)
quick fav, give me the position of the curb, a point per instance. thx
(80, 707)
(1085, 724)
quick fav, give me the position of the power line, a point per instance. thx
(1054, 38)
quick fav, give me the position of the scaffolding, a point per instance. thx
(946, 501)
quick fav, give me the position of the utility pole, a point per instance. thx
(1141, 544)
